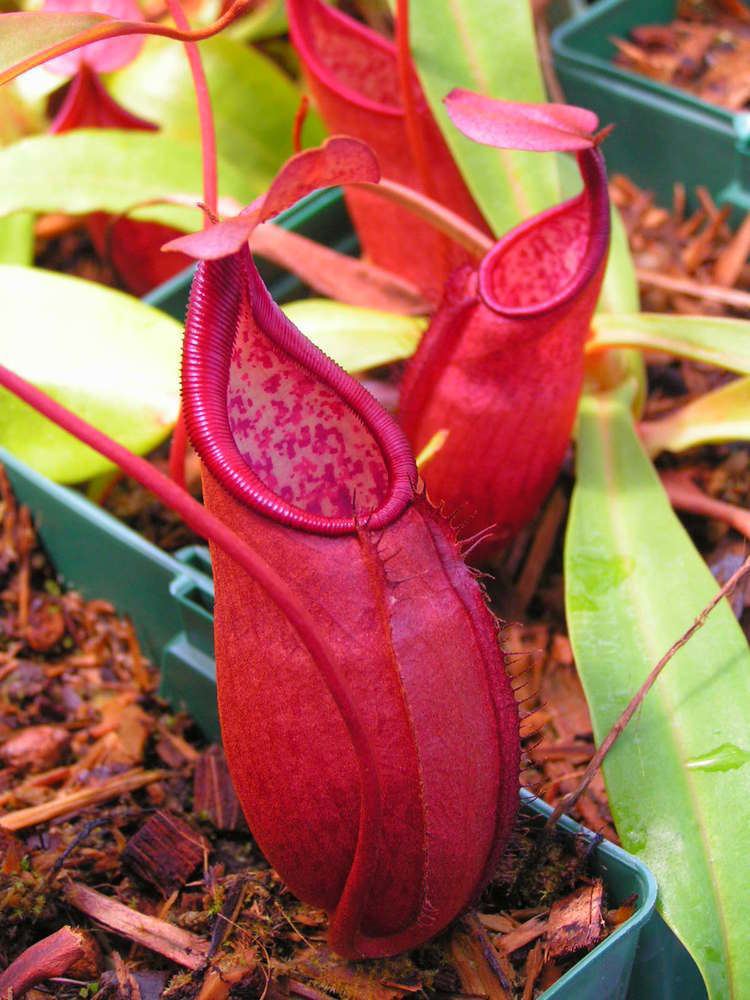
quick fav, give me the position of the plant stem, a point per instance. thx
(299, 123)
(431, 211)
(205, 113)
(178, 449)
(636, 701)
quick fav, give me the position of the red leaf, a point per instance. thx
(353, 76)
(501, 366)
(346, 279)
(339, 160)
(511, 125)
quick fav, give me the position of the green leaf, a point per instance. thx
(254, 103)
(112, 170)
(17, 239)
(356, 338)
(40, 30)
(634, 584)
(105, 355)
(267, 20)
(722, 342)
(721, 415)
(620, 288)
(487, 46)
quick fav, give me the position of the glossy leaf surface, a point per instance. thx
(253, 134)
(356, 338)
(634, 583)
(102, 169)
(106, 355)
(492, 51)
(721, 415)
(722, 342)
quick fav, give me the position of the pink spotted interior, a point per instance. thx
(353, 60)
(540, 263)
(298, 435)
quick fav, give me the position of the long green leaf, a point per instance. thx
(17, 239)
(722, 342)
(109, 357)
(721, 415)
(634, 583)
(486, 46)
(254, 103)
(112, 170)
(354, 337)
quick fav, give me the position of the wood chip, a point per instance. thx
(576, 922)
(174, 943)
(165, 851)
(471, 963)
(52, 956)
(214, 794)
(534, 965)
(521, 935)
(73, 802)
(36, 747)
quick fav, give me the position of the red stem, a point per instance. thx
(178, 449)
(205, 114)
(209, 526)
(299, 123)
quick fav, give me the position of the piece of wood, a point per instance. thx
(172, 942)
(576, 922)
(213, 792)
(165, 851)
(52, 956)
(73, 802)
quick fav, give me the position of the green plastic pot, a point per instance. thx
(662, 134)
(170, 601)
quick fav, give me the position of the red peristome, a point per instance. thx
(303, 464)
(107, 55)
(501, 366)
(340, 160)
(353, 75)
(133, 247)
(512, 125)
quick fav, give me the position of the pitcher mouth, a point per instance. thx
(221, 290)
(594, 201)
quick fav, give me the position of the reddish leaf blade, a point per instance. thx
(512, 125)
(340, 160)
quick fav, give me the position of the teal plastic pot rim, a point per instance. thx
(566, 51)
(647, 887)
